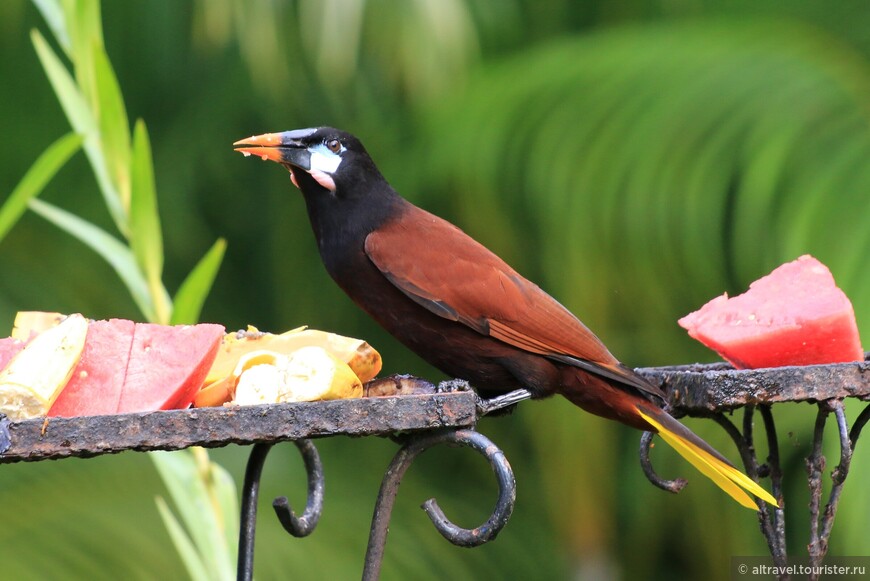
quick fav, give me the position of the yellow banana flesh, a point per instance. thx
(361, 357)
(37, 374)
(307, 374)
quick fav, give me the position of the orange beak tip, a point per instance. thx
(262, 140)
(252, 140)
(264, 153)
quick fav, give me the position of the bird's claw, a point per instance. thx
(487, 406)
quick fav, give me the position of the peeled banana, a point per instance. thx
(307, 374)
(37, 374)
(361, 357)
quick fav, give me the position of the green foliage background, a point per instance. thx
(635, 158)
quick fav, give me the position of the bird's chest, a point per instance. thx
(344, 258)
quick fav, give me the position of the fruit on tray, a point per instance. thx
(9, 348)
(356, 353)
(33, 378)
(95, 386)
(309, 373)
(138, 367)
(28, 324)
(176, 359)
(306, 364)
(120, 366)
(796, 315)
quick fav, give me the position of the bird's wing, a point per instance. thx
(446, 271)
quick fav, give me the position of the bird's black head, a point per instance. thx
(323, 161)
(345, 194)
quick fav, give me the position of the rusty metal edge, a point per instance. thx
(697, 390)
(705, 389)
(56, 438)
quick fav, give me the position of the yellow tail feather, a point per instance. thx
(725, 476)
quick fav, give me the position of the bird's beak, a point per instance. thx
(286, 148)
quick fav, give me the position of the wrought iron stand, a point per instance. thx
(714, 390)
(449, 416)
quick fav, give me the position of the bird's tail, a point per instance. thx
(703, 457)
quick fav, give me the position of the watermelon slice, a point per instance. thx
(167, 365)
(796, 315)
(9, 347)
(96, 383)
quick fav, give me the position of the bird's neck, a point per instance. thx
(341, 221)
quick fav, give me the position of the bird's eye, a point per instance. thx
(334, 145)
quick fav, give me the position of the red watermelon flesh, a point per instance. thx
(796, 315)
(168, 365)
(9, 348)
(96, 383)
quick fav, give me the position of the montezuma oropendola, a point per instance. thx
(459, 306)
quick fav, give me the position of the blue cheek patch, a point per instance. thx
(324, 160)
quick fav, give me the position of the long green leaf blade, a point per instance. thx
(226, 501)
(36, 178)
(54, 16)
(113, 251)
(185, 547)
(86, 32)
(191, 295)
(146, 239)
(82, 120)
(74, 106)
(114, 125)
(188, 488)
(222, 494)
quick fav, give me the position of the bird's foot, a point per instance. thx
(398, 385)
(488, 406)
(452, 386)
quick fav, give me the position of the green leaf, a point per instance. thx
(39, 174)
(54, 16)
(145, 237)
(225, 499)
(192, 293)
(86, 32)
(192, 561)
(114, 125)
(187, 476)
(110, 248)
(74, 106)
(82, 120)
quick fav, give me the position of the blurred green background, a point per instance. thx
(634, 157)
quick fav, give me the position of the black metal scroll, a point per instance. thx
(297, 526)
(675, 485)
(453, 533)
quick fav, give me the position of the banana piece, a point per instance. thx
(37, 374)
(361, 357)
(217, 393)
(309, 373)
(29, 323)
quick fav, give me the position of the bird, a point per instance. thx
(459, 306)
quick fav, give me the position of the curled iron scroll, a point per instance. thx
(675, 485)
(298, 526)
(453, 533)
